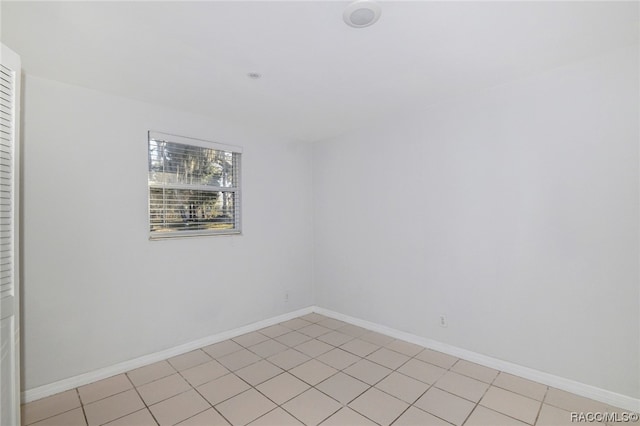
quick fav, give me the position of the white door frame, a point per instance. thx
(9, 236)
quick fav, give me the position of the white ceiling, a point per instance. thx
(319, 76)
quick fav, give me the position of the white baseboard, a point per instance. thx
(588, 391)
(103, 373)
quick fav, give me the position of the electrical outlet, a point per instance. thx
(443, 321)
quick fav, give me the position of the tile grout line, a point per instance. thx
(477, 404)
(541, 404)
(141, 399)
(84, 413)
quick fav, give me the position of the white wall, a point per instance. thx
(514, 212)
(96, 290)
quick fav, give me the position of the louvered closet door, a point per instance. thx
(9, 292)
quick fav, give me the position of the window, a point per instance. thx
(194, 187)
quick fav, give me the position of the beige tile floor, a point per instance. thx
(308, 371)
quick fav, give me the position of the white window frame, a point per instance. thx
(158, 183)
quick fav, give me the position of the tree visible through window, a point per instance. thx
(194, 187)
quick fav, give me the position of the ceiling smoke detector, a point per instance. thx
(361, 13)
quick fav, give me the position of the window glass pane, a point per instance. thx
(192, 165)
(184, 209)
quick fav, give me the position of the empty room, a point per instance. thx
(320, 213)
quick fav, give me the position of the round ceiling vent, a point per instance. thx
(362, 13)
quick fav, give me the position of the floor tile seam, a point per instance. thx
(523, 396)
(278, 335)
(433, 364)
(273, 409)
(223, 355)
(269, 355)
(84, 414)
(191, 387)
(331, 397)
(281, 405)
(541, 404)
(476, 403)
(321, 421)
(133, 412)
(471, 377)
(293, 366)
(251, 363)
(401, 414)
(192, 366)
(273, 337)
(179, 373)
(165, 398)
(329, 416)
(544, 401)
(406, 375)
(435, 385)
(386, 366)
(356, 354)
(263, 394)
(395, 396)
(431, 386)
(285, 402)
(253, 344)
(210, 405)
(296, 344)
(314, 337)
(436, 416)
(197, 414)
(125, 415)
(387, 393)
(468, 377)
(194, 387)
(402, 353)
(265, 380)
(373, 384)
(312, 385)
(425, 411)
(151, 381)
(328, 365)
(506, 415)
(299, 318)
(352, 399)
(146, 407)
(334, 344)
(106, 397)
(226, 399)
(57, 414)
(284, 372)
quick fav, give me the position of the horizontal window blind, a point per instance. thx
(194, 187)
(7, 170)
